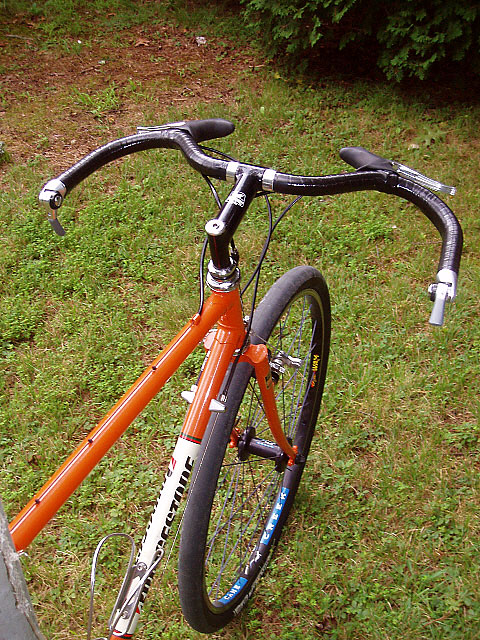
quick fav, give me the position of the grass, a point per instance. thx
(100, 102)
(383, 542)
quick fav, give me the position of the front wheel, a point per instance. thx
(242, 490)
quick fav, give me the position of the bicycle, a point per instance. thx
(252, 414)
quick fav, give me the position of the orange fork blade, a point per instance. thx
(257, 355)
(35, 515)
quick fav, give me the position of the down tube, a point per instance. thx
(126, 618)
(43, 506)
(228, 337)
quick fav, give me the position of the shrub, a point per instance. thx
(411, 39)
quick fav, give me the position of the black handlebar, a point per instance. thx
(441, 216)
(185, 136)
(153, 139)
(386, 182)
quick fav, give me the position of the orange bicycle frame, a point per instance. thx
(223, 308)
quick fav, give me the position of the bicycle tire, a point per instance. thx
(228, 536)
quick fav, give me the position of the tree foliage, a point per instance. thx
(412, 38)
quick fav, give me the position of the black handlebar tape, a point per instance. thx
(328, 185)
(178, 136)
(386, 182)
(109, 152)
(206, 165)
(441, 216)
(164, 138)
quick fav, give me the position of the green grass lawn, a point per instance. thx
(383, 542)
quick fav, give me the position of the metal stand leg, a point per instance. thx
(17, 618)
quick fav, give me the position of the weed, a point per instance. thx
(4, 155)
(100, 102)
(464, 436)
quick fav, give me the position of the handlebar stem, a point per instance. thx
(221, 229)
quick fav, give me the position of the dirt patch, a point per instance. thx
(51, 100)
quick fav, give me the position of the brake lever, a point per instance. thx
(419, 178)
(51, 197)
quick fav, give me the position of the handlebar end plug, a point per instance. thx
(443, 291)
(51, 197)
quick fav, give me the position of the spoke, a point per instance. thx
(225, 544)
(257, 515)
(211, 542)
(301, 395)
(294, 346)
(260, 513)
(245, 500)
